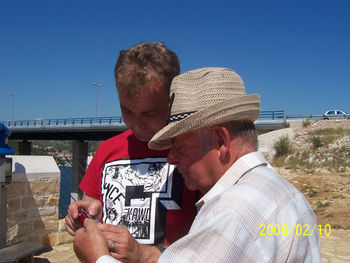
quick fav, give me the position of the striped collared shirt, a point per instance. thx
(250, 215)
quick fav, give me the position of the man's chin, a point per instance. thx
(190, 186)
(143, 138)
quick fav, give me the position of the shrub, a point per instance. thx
(306, 123)
(312, 193)
(286, 125)
(317, 142)
(282, 146)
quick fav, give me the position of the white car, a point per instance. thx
(335, 114)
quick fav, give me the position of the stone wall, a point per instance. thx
(32, 201)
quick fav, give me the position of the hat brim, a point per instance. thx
(245, 107)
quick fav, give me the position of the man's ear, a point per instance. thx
(223, 140)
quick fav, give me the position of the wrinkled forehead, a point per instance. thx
(154, 87)
(184, 139)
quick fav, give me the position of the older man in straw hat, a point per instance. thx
(248, 213)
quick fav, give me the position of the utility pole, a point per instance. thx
(97, 85)
(13, 104)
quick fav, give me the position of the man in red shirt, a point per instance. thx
(126, 183)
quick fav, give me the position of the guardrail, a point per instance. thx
(267, 115)
(318, 117)
(68, 121)
(104, 120)
(271, 115)
(304, 116)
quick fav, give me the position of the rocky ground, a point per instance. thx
(324, 173)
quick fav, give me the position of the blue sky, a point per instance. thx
(295, 54)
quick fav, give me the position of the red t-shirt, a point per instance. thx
(140, 190)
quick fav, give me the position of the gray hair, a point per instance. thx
(244, 129)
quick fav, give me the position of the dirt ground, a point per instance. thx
(327, 193)
(327, 189)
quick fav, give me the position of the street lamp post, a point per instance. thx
(97, 85)
(13, 104)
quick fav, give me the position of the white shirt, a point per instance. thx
(229, 225)
(107, 259)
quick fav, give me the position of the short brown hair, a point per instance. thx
(145, 62)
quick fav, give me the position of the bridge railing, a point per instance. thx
(271, 115)
(67, 121)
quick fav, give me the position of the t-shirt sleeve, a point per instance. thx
(90, 183)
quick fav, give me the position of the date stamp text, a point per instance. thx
(298, 229)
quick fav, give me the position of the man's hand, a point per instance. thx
(125, 248)
(91, 205)
(89, 242)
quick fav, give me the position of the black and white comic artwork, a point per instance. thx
(130, 193)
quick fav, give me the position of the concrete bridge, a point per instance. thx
(78, 129)
(100, 128)
(82, 130)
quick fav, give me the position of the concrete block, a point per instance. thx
(33, 199)
(49, 211)
(15, 190)
(50, 224)
(52, 201)
(28, 202)
(20, 216)
(62, 225)
(295, 123)
(34, 167)
(38, 226)
(49, 239)
(12, 233)
(14, 205)
(43, 188)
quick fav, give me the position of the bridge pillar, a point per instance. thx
(24, 148)
(80, 154)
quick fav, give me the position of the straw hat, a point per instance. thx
(202, 98)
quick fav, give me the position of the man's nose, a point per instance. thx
(139, 123)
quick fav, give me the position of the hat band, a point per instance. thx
(181, 116)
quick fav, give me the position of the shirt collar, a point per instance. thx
(233, 174)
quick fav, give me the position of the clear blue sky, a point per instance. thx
(295, 54)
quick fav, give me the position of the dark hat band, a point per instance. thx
(180, 116)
